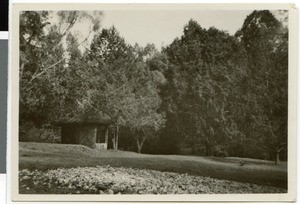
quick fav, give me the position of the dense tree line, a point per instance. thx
(207, 93)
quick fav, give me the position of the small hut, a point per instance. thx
(92, 133)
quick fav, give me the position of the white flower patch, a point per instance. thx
(120, 180)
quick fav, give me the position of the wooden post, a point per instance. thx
(96, 135)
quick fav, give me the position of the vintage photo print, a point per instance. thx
(153, 102)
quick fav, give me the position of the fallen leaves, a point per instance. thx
(120, 180)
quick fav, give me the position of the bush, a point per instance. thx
(220, 151)
(28, 132)
(191, 149)
(236, 150)
(185, 150)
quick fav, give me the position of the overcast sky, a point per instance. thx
(162, 27)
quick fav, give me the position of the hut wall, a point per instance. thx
(68, 134)
(84, 134)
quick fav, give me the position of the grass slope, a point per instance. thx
(44, 156)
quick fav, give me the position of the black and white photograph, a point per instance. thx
(152, 102)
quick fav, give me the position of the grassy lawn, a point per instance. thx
(44, 156)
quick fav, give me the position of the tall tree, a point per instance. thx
(123, 88)
(203, 69)
(44, 64)
(110, 61)
(38, 52)
(266, 42)
(144, 117)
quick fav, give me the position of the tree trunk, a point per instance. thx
(277, 159)
(139, 149)
(140, 144)
(114, 142)
(207, 148)
(113, 139)
(278, 150)
(106, 135)
(117, 137)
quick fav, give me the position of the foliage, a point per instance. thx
(144, 120)
(265, 40)
(206, 93)
(46, 133)
(44, 64)
(203, 71)
(123, 89)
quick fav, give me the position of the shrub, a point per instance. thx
(236, 150)
(220, 151)
(28, 132)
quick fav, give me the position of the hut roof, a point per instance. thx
(101, 119)
(88, 121)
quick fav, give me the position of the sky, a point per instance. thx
(162, 27)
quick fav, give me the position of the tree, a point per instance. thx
(43, 61)
(36, 31)
(203, 69)
(266, 42)
(44, 72)
(38, 52)
(123, 88)
(144, 118)
(110, 61)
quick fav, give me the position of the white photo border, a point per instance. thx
(13, 158)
